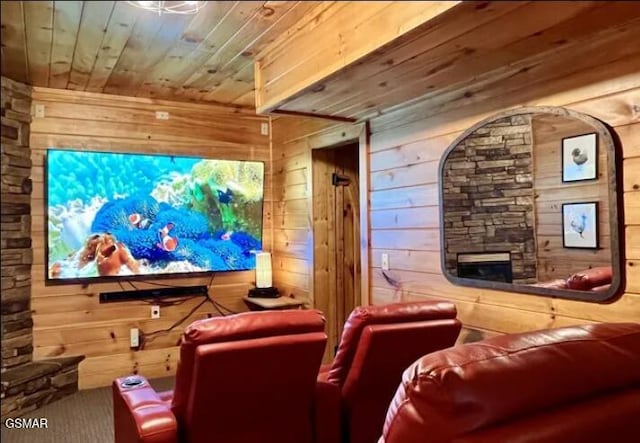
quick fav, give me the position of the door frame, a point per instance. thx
(357, 133)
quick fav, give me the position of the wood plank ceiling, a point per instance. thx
(112, 47)
(473, 52)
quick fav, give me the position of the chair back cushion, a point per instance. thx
(527, 385)
(233, 328)
(383, 314)
(383, 353)
(590, 278)
(256, 390)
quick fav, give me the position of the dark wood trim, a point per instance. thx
(312, 115)
(611, 144)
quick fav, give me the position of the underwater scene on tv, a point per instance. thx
(114, 214)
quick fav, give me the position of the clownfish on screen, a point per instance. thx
(166, 242)
(139, 222)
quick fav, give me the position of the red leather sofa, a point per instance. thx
(569, 385)
(594, 279)
(245, 378)
(377, 344)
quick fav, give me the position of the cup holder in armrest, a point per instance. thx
(132, 382)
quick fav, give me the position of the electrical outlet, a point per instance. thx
(264, 129)
(162, 115)
(385, 262)
(40, 111)
(155, 311)
(134, 334)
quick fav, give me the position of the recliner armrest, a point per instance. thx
(140, 415)
(328, 413)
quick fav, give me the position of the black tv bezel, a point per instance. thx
(86, 281)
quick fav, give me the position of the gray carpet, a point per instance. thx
(84, 417)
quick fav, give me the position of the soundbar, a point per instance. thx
(142, 294)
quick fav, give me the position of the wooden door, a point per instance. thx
(336, 233)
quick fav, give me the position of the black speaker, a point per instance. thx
(141, 294)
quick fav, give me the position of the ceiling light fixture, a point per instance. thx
(162, 7)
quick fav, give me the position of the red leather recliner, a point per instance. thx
(593, 279)
(577, 384)
(245, 378)
(377, 344)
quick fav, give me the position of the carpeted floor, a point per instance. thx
(84, 417)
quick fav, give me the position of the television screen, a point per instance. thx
(114, 214)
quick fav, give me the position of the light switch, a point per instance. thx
(264, 128)
(385, 262)
(162, 115)
(134, 337)
(155, 311)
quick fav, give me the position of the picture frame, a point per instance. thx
(580, 157)
(580, 225)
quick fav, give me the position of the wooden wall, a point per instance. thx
(406, 147)
(293, 139)
(68, 319)
(555, 261)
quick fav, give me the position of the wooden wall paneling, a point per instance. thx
(38, 20)
(407, 143)
(353, 32)
(534, 70)
(66, 23)
(68, 319)
(394, 132)
(506, 58)
(293, 140)
(480, 308)
(547, 133)
(341, 88)
(630, 139)
(13, 34)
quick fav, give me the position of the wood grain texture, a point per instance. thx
(113, 47)
(547, 134)
(336, 238)
(340, 34)
(298, 226)
(469, 53)
(485, 309)
(403, 195)
(69, 319)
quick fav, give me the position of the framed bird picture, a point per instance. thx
(580, 158)
(580, 225)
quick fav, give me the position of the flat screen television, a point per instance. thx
(115, 215)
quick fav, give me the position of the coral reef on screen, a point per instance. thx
(129, 214)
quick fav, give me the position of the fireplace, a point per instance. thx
(492, 266)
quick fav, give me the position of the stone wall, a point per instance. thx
(488, 196)
(16, 225)
(26, 384)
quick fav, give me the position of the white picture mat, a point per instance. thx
(580, 225)
(587, 145)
